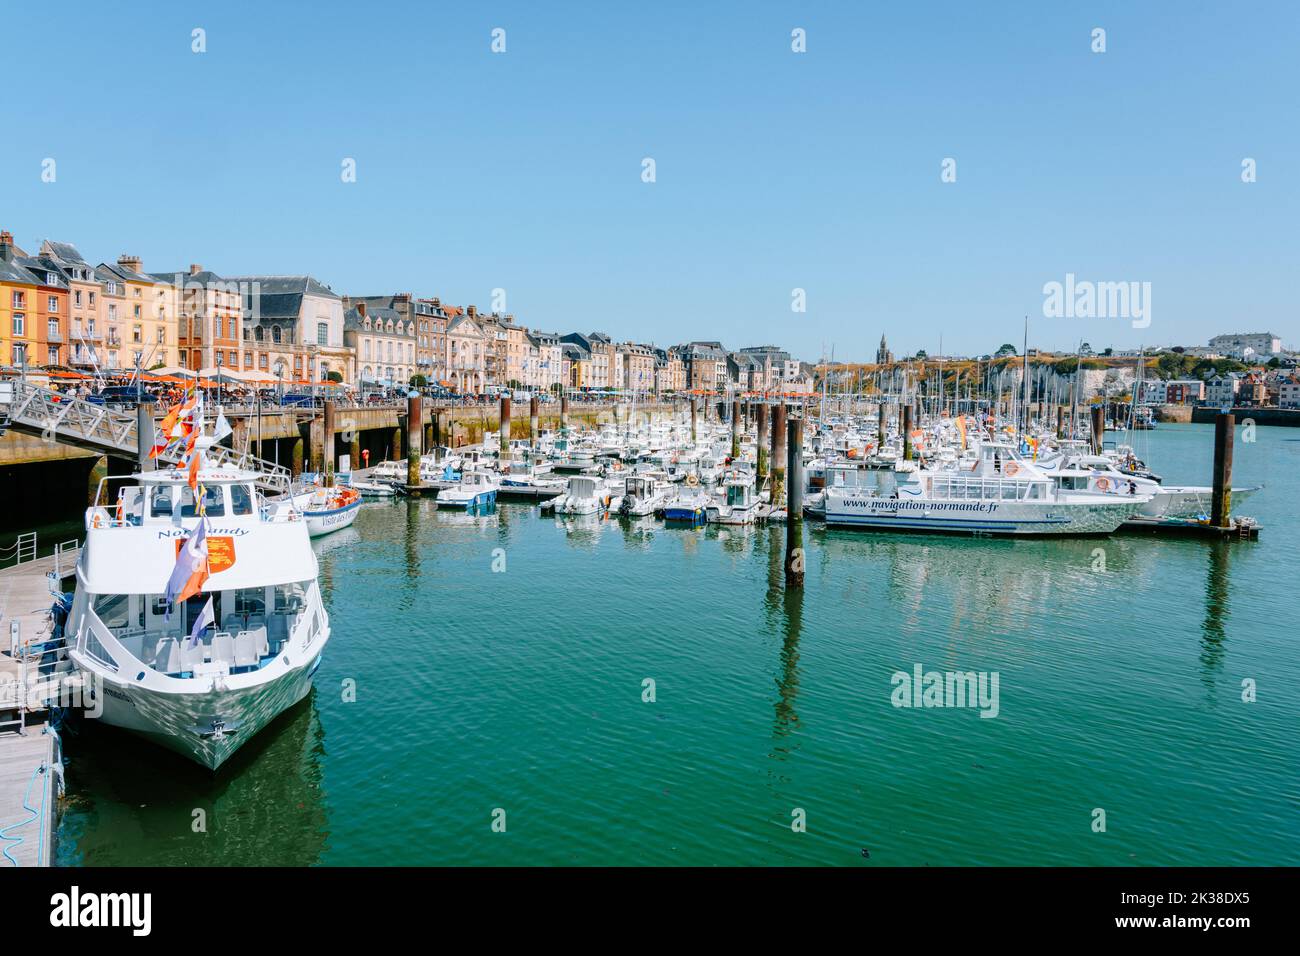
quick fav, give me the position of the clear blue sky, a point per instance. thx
(774, 170)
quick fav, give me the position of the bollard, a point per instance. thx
(1221, 496)
(735, 429)
(414, 435)
(327, 442)
(777, 460)
(504, 431)
(144, 434)
(794, 557)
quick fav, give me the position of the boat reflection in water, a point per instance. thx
(266, 809)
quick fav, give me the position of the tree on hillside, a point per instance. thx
(1006, 349)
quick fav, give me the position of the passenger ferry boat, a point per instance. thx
(1002, 494)
(163, 673)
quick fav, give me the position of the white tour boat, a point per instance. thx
(163, 674)
(1002, 494)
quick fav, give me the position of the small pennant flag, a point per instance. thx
(206, 619)
(222, 428)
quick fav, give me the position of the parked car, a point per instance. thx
(126, 395)
(296, 400)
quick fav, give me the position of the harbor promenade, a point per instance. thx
(30, 755)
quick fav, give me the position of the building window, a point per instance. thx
(233, 360)
(20, 300)
(275, 334)
(322, 333)
(162, 336)
(76, 298)
(18, 324)
(137, 335)
(54, 303)
(54, 355)
(112, 312)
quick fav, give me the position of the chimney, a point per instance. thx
(361, 309)
(437, 301)
(195, 268)
(6, 246)
(130, 263)
(510, 320)
(471, 311)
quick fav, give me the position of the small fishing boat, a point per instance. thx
(736, 504)
(328, 509)
(642, 495)
(585, 495)
(476, 489)
(372, 489)
(689, 505)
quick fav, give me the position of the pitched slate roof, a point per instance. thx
(46, 271)
(65, 252)
(15, 272)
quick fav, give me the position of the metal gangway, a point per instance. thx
(37, 410)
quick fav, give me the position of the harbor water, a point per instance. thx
(496, 668)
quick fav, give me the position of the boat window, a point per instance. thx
(113, 609)
(160, 502)
(214, 502)
(289, 597)
(241, 500)
(251, 601)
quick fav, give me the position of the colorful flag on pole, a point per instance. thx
(222, 427)
(206, 619)
(191, 570)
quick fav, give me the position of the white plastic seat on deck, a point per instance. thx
(191, 657)
(167, 657)
(245, 649)
(223, 648)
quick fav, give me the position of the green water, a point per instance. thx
(522, 690)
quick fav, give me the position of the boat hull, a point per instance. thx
(466, 502)
(333, 519)
(1007, 518)
(207, 727)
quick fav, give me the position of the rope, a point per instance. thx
(35, 815)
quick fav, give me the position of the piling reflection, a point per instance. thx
(1213, 629)
(130, 802)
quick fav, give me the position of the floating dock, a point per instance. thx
(1238, 529)
(31, 762)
